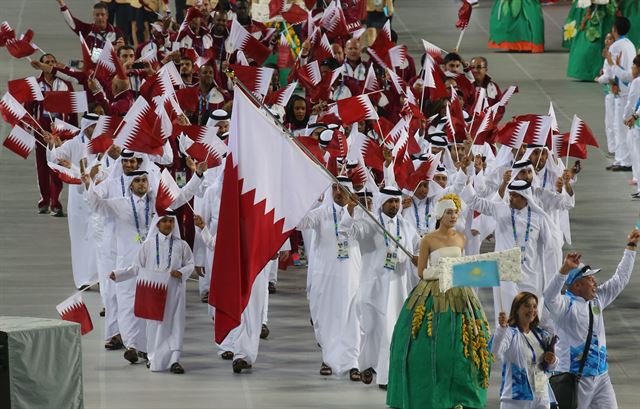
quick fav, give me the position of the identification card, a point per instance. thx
(95, 53)
(343, 249)
(540, 382)
(391, 259)
(181, 178)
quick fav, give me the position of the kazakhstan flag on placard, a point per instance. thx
(482, 273)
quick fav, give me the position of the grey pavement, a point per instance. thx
(35, 263)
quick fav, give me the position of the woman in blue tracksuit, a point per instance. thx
(526, 353)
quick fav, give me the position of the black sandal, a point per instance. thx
(354, 375)
(325, 370)
(367, 376)
(176, 368)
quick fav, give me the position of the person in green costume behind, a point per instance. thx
(439, 354)
(517, 25)
(631, 10)
(584, 31)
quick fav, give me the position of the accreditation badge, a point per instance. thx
(181, 178)
(391, 259)
(343, 249)
(540, 382)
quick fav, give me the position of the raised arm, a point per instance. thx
(554, 301)
(610, 289)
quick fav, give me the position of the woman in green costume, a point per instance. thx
(585, 28)
(517, 25)
(439, 354)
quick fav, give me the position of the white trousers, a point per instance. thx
(609, 120)
(633, 141)
(623, 156)
(596, 392)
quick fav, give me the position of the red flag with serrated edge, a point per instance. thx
(74, 309)
(482, 127)
(70, 176)
(561, 146)
(338, 147)
(66, 102)
(22, 47)
(456, 126)
(20, 142)
(64, 130)
(312, 146)
(356, 109)
(203, 144)
(12, 111)
(241, 39)
(581, 133)
(323, 50)
(309, 75)
(309, 4)
(464, 15)
(256, 217)
(151, 295)
(424, 172)
(295, 15)
(539, 128)
(334, 21)
(368, 148)
(371, 81)
(188, 98)
(402, 163)
(6, 33)
(256, 79)
(512, 133)
(276, 7)
(25, 89)
(168, 192)
(281, 96)
(105, 64)
(87, 62)
(432, 77)
(434, 51)
(139, 132)
(103, 134)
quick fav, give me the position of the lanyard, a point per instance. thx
(533, 352)
(335, 221)
(386, 239)
(544, 182)
(426, 214)
(135, 217)
(158, 251)
(526, 232)
(122, 186)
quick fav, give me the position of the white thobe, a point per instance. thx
(83, 250)
(332, 299)
(164, 338)
(382, 291)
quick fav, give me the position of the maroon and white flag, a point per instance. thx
(67, 175)
(355, 109)
(87, 62)
(281, 96)
(295, 15)
(138, 133)
(151, 295)
(333, 20)
(64, 130)
(256, 79)
(21, 47)
(20, 142)
(539, 129)
(464, 15)
(433, 50)
(6, 33)
(562, 148)
(25, 89)
(241, 39)
(276, 7)
(309, 74)
(66, 102)
(581, 133)
(12, 111)
(203, 145)
(103, 134)
(371, 81)
(168, 192)
(323, 49)
(75, 310)
(512, 133)
(257, 212)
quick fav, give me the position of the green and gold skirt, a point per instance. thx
(439, 350)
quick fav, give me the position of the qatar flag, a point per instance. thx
(75, 310)
(67, 175)
(139, 132)
(20, 142)
(433, 50)
(151, 295)
(6, 33)
(241, 39)
(281, 97)
(562, 148)
(256, 79)
(512, 133)
(22, 47)
(66, 102)
(355, 109)
(257, 211)
(205, 145)
(25, 89)
(12, 111)
(464, 15)
(581, 133)
(168, 192)
(64, 130)
(276, 7)
(103, 133)
(371, 83)
(295, 15)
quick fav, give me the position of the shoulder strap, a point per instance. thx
(587, 345)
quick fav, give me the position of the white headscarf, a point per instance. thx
(153, 227)
(386, 193)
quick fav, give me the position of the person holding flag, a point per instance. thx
(163, 253)
(439, 350)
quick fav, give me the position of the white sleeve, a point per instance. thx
(610, 289)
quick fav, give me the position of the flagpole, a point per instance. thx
(293, 139)
(457, 49)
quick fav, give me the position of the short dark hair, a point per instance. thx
(481, 58)
(330, 62)
(126, 47)
(47, 55)
(518, 301)
(636, 60)
(452, 57)
(101, 5)
(622, 25)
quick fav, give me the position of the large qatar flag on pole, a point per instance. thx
(269, 185)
